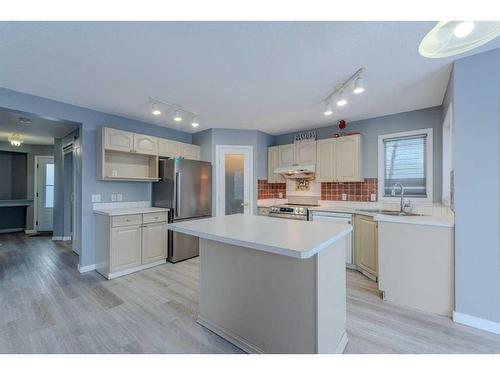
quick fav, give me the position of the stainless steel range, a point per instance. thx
(291, 211)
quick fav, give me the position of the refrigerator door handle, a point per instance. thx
(177, 193)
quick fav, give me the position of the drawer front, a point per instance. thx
(125, 220)
(155, 217)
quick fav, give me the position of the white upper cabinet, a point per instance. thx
(325, 161)
(168, 148)
(287, 155)
(348, 158)
(273, 163)
(189, 151)
(145, 144)
(305, 152)
(118, 140)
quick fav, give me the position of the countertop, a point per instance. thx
(129, 211)
(293, 238)
(433, 220)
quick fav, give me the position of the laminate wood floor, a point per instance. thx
(46, 306)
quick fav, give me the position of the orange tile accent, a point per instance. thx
(270, 190)
(356, 191)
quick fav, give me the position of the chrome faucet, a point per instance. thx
(402, 204)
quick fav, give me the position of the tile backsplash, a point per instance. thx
(268, 190)
(356, 191)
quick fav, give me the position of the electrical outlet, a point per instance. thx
(344, 196)
(119, 197)
(114, 197)
(280, 195)
(96, 198)
(373, 197)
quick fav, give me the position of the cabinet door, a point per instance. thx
(168, 148)
(325, 162)
(190, 151)
(154, 242)
(145, 144)
(305, 152)
(286, 155)
(126, 243)
(348, 158)
(118, 140)
(365, 244)
(273, 163)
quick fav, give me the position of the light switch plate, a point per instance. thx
(96, 198)
(344, 196)
(113, 197)
(373, 197)
(119, 197)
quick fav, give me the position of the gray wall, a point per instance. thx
(90, 121)
(209, 139)
(475, 93)
(399, 122)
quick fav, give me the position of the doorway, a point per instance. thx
(234, 180)
(44, 194)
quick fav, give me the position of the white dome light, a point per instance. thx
(449, 38)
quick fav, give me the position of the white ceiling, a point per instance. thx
(270, 76)
(41, 131)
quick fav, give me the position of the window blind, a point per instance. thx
(405, 163)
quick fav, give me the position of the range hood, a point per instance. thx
(297, 171)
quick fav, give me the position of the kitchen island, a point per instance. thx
(272, 285)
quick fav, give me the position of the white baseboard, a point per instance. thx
(61, 238)
(30, 231)
(474, 321)
(90, 267)
(114, 275)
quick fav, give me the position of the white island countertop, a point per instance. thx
(293, 238)
(129, 211)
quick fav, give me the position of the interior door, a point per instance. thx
(234, 182)
(45, 193)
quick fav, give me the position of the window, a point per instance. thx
(49, 186)
(406, 159)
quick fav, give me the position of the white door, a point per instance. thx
(234, 181)
(44, 193)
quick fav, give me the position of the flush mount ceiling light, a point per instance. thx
(449, 38)
(157, 105)
(358, 88)
(328, 108)
(24, 120)
(16, 139)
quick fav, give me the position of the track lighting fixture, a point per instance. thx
(341, 101)
(194, 122)
(328, 108)
(358, 86)
(339, 91)
(449, 38)
(180, 112)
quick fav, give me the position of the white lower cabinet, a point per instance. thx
(154, 242)
(366, 245)
(126, 247)
(130, 243)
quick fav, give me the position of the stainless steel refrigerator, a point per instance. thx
(185, 187)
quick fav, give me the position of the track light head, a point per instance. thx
(155, 110)
(328, 108)
(195, 123)
(341, 101)
(177, 117)
(358, 86)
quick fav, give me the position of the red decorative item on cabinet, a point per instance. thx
(342, 124)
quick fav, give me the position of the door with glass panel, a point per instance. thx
(44, 193)
(234, 180)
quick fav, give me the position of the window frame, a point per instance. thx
(428, 167)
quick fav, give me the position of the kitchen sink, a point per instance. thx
(393, 213)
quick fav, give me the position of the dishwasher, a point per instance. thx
(341, 218)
